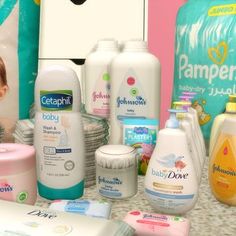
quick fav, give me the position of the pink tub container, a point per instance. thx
(18, 180)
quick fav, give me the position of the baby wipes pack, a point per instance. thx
(205, 56)
(19, 20)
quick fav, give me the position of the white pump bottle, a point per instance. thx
(171, 183)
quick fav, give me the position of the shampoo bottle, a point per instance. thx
(58, 134)
(171, 183)
(191, 116)
(186, 126)
(97, 78)
(217, 124)
(135, 86)
(188, 96)
(222, 169)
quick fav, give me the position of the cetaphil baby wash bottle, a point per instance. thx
(58, 134)
(217, 124)
(171, 183)
(135, 86)
(97, 78)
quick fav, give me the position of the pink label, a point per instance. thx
(101, 96)
(148, 222)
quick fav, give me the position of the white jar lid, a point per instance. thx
(116, 156)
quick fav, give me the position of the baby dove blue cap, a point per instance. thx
(173, 122)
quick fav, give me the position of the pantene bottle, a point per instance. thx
(217, 125)
(135, 86)
(222, 168)
(97, 78)
(58, 134)
(171, 183)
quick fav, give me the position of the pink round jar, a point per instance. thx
(18, 181)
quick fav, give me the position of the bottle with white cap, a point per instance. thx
(171, 183)
(97, 78)
(135, 86)
(230, 111)
(58, 134)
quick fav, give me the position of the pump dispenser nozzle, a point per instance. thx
(173, 122)
(186, 98)
(182, 105)
(231, 104)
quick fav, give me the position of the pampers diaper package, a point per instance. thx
(18, 61)
(205, 56)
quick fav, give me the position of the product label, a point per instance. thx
(223, 169)
(60, 156)
(205, 63)
(34, 228)
(100, 97)
(120, 183)
(131, 100)
(170, 185)
(144, 140)
(222, 10)
(59, 100)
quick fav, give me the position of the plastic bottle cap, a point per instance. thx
(135, 45)
(231, 107)
(186, 98)
(232, 98)
(173, 122)
(182, 105)
(107, 44)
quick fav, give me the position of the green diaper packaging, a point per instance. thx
(19, 26)
(205, 56)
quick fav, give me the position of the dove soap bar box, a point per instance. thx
(171, 183)
(17, 219)
(58, 134)
(142, 135)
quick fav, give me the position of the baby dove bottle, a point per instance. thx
(135, 86)
(58, 137)
(97, 83)
(171, 183)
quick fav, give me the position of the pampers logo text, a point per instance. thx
(139, 101)
(217, 55)
(56, 100)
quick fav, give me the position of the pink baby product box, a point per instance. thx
(147, 224)
(18, 173)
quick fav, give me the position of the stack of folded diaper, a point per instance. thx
(24, 132)
(95, 135)
(1, 133)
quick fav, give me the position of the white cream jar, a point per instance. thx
(116, 171)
